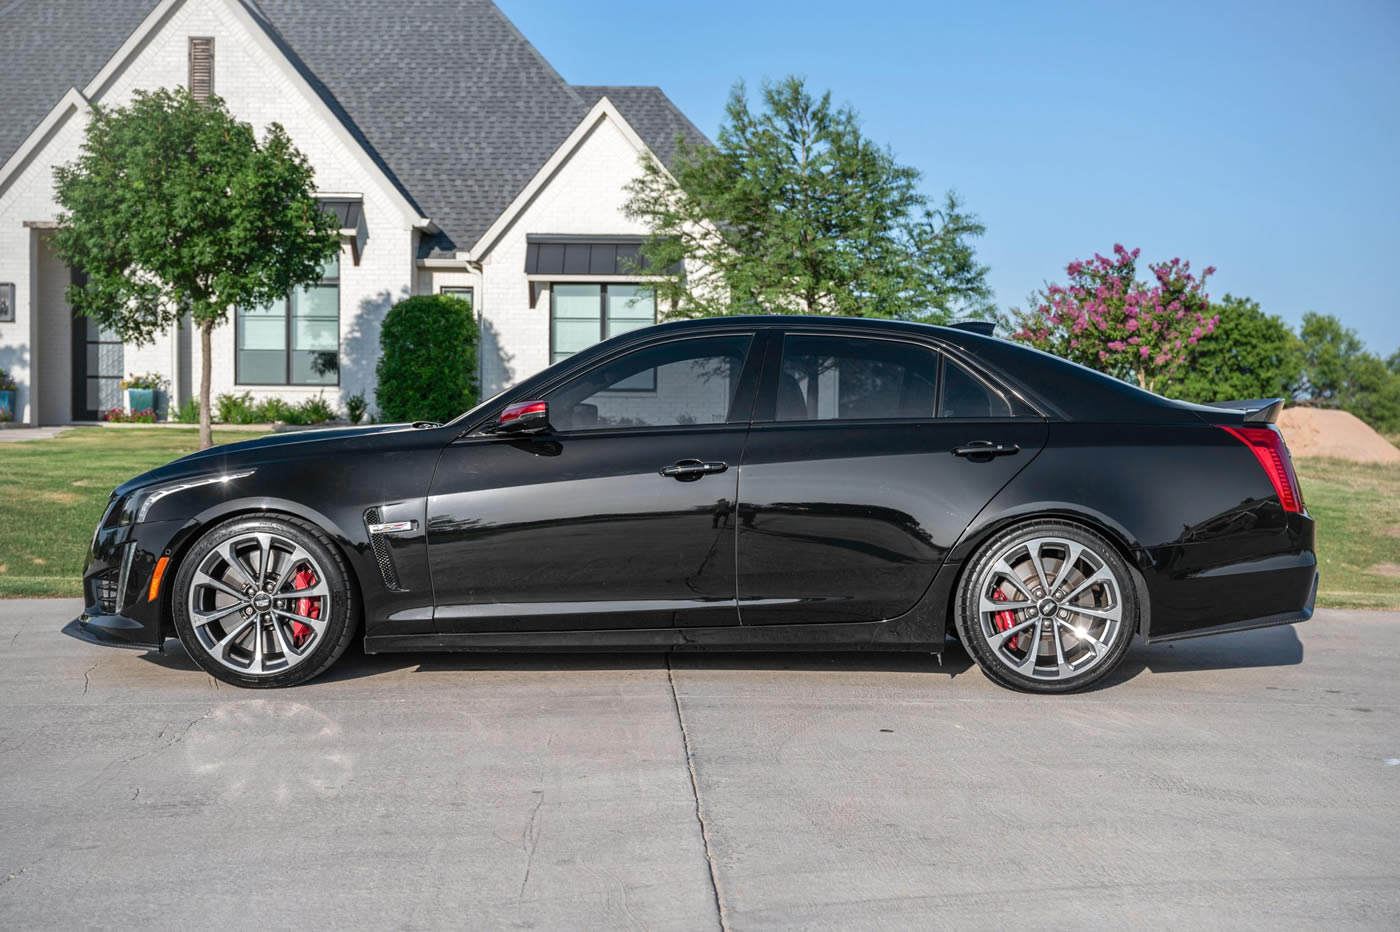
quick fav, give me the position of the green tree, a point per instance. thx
(1339, 372)
(797, 211)
(175, 208)
(427, 359)
(1250, 354)
(1331, 352)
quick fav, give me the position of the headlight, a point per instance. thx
(140, 502)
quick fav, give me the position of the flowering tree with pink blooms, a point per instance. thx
(1108, 320)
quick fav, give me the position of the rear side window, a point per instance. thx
(968, 395)
(839, 378)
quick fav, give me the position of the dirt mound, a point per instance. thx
(1337, 434)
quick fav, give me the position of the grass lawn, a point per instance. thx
(57, 488)
(1357, 507)
(54, 492)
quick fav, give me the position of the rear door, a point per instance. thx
(867, 459)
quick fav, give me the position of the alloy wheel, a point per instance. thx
(1050, 608)
(259, 603)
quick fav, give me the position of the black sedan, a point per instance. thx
(723, 484)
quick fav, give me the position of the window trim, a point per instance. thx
(458, 290)
(287, 342)
(737, 416)
(602, 320)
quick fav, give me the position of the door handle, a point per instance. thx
(986, 448)
(690, 470)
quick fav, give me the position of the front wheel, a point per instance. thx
(1047, 607)
(264, 602)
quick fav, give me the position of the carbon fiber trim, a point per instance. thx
(382, 557)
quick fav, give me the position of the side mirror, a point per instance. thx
(527, 417)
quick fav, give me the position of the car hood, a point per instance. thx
(229, 456)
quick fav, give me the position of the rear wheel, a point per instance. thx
(1047, 607)
(264, 602)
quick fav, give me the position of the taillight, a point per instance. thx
(1267, 446)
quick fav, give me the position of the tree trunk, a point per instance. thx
(206, 433)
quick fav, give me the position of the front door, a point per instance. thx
(620, 517)
(97, 367)
(852, 492)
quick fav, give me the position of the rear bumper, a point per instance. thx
(1252, 581)
(1248, 624)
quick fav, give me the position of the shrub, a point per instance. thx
(237, 409)
(187, 413)
(355, 406)
(242, 409)
(427, 362)
(119, 416)
(316, 410)
(7, 381)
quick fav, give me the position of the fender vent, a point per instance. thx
(382, 557)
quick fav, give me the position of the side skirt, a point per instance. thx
(871, 635)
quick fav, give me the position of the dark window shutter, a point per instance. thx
(201, 68)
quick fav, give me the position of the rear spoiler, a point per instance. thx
(1256, 410)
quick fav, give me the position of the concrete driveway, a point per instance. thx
(1251, 780)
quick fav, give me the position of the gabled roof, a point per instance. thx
(447, 96)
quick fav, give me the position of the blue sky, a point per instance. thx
(1261, 138)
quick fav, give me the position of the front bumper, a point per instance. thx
(121, 610)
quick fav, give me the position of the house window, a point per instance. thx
(201, 68)
(458, 291)
(294, 341)
(581, 315)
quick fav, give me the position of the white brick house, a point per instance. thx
(457, 158)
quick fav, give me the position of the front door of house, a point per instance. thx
(97, 367)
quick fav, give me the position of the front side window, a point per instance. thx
(695, 381)
(294, 341)
(839, 378)
(581, 315)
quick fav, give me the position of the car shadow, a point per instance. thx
(1266, 647)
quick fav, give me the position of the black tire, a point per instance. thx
(340, 621)
(1099, 645)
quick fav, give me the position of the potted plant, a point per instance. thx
(141, 391)
(7, 396)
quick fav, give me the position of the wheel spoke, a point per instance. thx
(284, 643)
(310, 592)
(257, 666)
(1100, 575)
(232, 634)
(1098, 647)
(1033, 551)
(1002, 568)
(1064, 668)
(1001, 637)
(295, 558)
(316, 625)
(1073, 553)
(992, 605)
(1114, 613)
(264, 551)
(201, 619)
(202, 578)
(1027, 664)
(226, 551)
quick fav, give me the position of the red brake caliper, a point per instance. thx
(1005, 620)
(310, 608)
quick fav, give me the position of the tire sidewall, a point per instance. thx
(339, 626)
(969, 623)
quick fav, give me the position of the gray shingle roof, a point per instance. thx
(451, 100)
